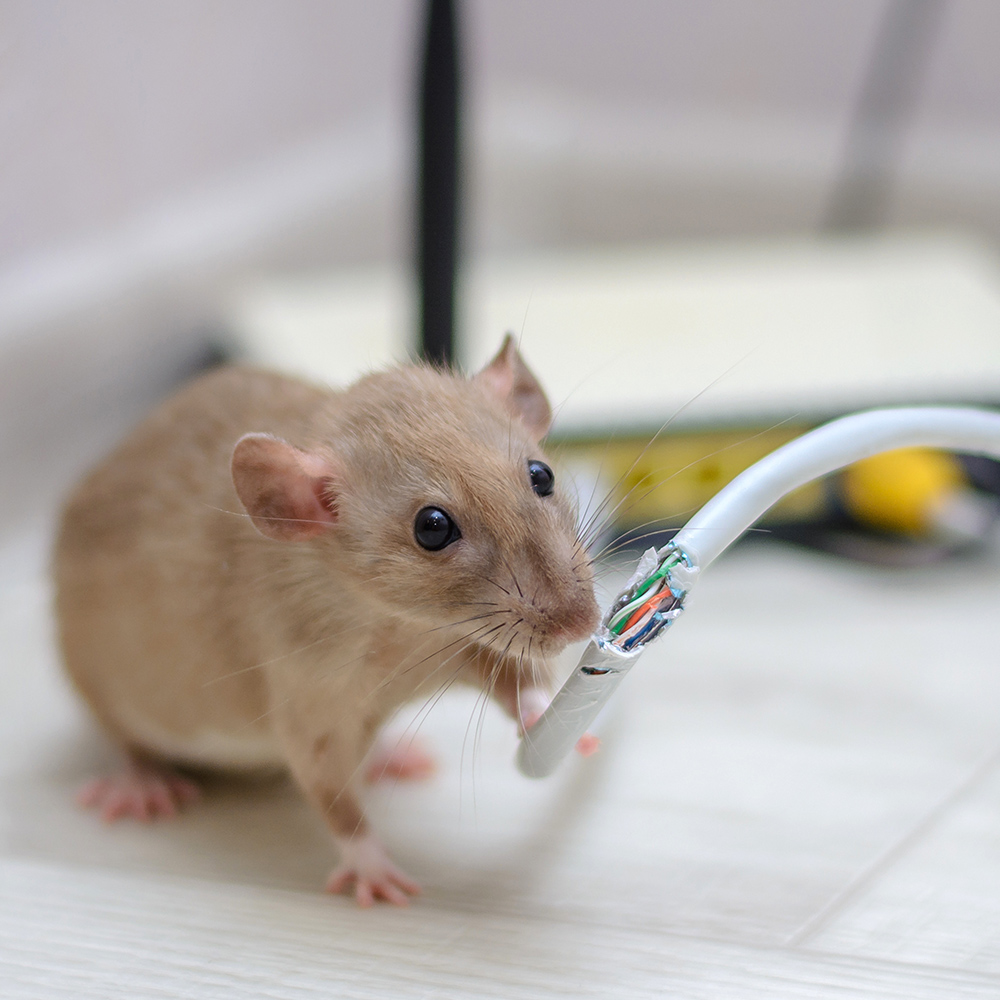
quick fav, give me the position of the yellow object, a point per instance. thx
(661, 483)
(900, 491)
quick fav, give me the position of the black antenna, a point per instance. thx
(888, 97)
(438, 170)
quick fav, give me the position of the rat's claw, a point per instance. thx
(367, 868)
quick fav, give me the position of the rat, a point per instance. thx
(266, 569)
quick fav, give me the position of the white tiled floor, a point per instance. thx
(798, 796)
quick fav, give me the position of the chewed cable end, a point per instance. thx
(650, 602)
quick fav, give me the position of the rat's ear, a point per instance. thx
(508, 379)
(288, 493)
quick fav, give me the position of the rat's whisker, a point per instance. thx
(270, 517)
(478, 635)
(493, 583)
(718, 451)
(513, 577)
(663, 427)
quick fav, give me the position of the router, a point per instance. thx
(671, 369)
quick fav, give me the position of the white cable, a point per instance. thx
(728, 515)
(737, 507)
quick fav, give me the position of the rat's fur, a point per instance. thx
(201, 640)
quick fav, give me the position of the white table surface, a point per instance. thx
(798, 796)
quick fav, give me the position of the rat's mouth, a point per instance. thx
(555, 640)
(573, 622)
(546, 636)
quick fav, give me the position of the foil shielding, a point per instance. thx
(652, 599)
(577, 703)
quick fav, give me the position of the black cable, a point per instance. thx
(438, 183)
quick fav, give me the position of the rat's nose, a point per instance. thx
(572, 620)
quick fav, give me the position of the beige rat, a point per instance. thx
(402, 534)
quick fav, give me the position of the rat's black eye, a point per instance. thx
(543, 480)
(434, 529)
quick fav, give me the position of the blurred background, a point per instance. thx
(194, 177)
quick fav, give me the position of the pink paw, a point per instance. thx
(141, 791)
(401, 762)
(587, 745)
(366, 867)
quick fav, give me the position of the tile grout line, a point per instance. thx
(892, 854)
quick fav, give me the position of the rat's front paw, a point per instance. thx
(586, 746)
(399, 761)
(365, 866)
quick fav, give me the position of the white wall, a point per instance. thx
(589, 119)
(108, 107)
(154, 152)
